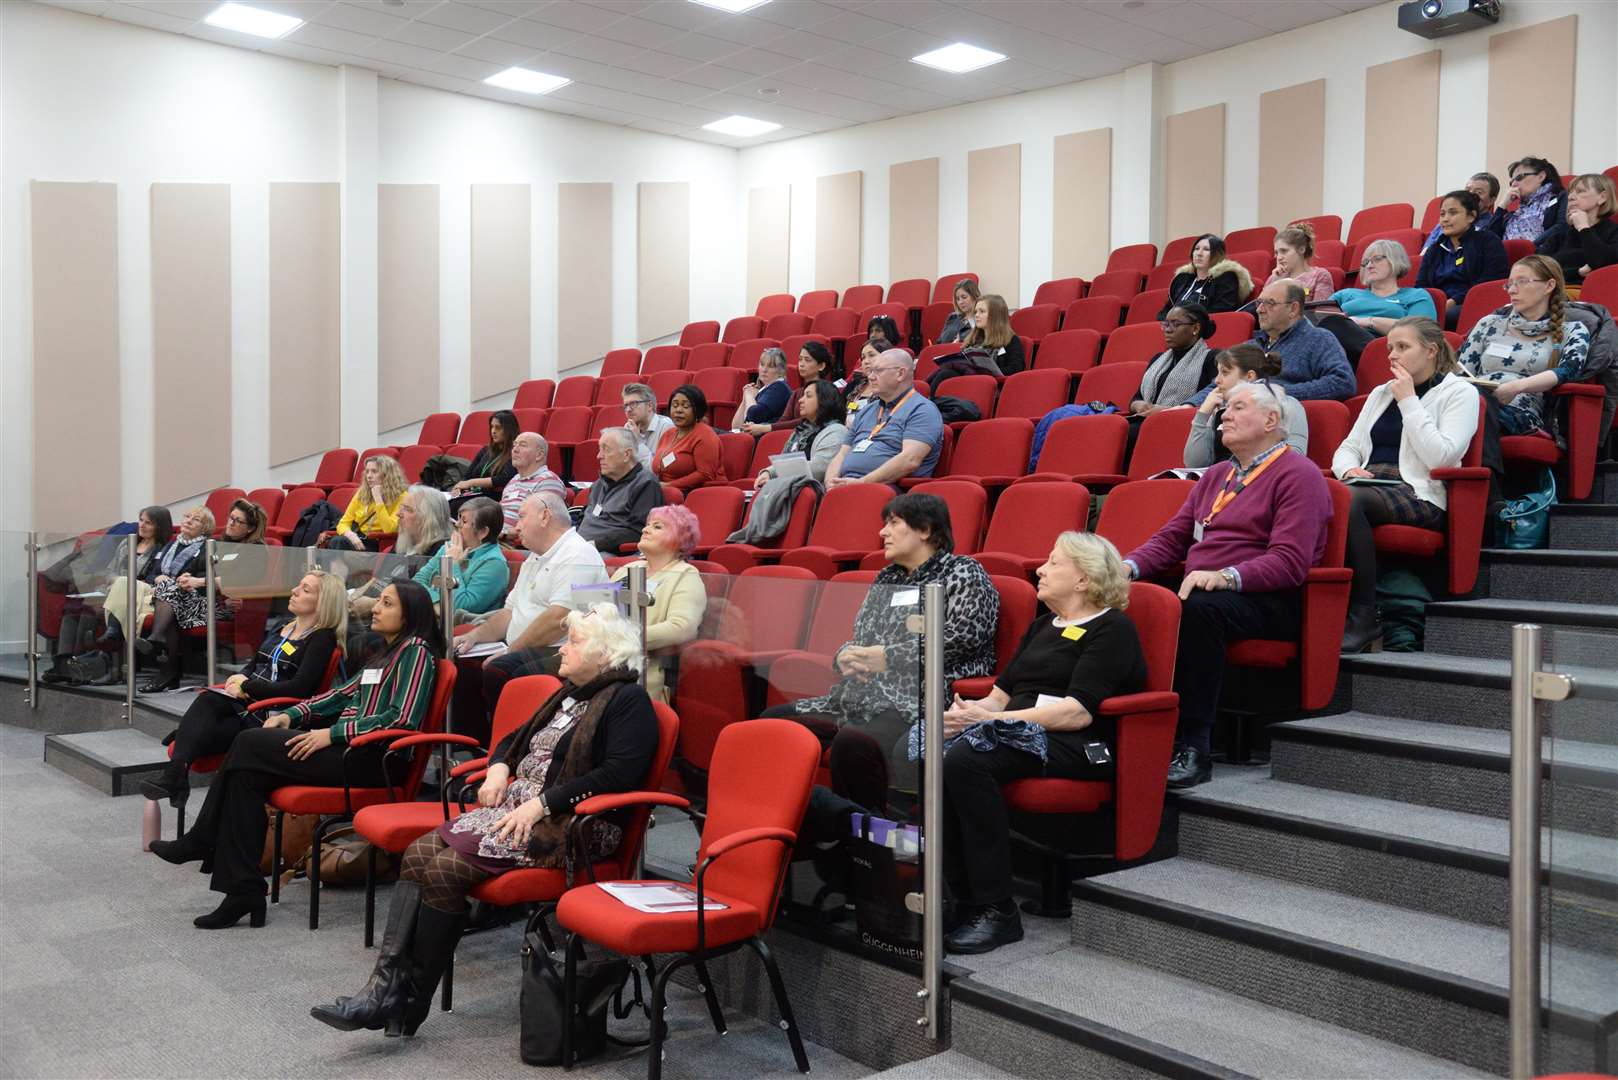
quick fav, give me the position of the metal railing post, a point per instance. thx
(446, 605)
(1525, 871)
(132, 631)
(30, 637)
(639, 601)
(211, 561)
(932, 919)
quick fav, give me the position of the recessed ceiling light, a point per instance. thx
(958, 58)
(252, 20)
(740, 126)
(769, 91)
(735, 7)
(527, 81)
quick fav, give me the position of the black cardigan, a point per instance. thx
(300, 671)
(1223, 292)
(1595, 247)
(626, 740)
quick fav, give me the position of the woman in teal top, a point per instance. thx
(1380, 302)
(480, 569)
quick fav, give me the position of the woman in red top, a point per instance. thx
(687, 455)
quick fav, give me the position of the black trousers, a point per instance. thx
(234, 820)
(210, 726)
(977, 827)
(860, 753)
(1209, 621)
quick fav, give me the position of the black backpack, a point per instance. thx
(316, 519)
(956, 410)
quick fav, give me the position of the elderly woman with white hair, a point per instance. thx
(423, 524)
(764, 401)
(594, 736)
(1369, 311)
(1042, 719)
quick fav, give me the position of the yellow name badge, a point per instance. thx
(1073, 633)
(287, 648)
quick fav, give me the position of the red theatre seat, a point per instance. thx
(1095, 312)
(812, 303)
(993, 453)
(711, 355)
(860, 297)
(475, 427)
(439, 429)
(1140, 257)
(1111, 384)
(1161, 443)
(784, 326)
(537, 393)
(621, 362)
(1032, 394)
(845, 531)
(774, 304)
(1061, 292)
(1036, 320)
(699, 333)
(1071, 350)
(575, 390)
(1260, 238)
(741, 328)
(968, 504)
(660, 358)
(1326, 226)
(336, 466)
(933, 318)
(1027, 520)
(1085, 449)
(913, 293)
(1481, 299)
(1380, 219)
(1328, 427)
(1136, 510)
(1462, 539)
(1134, 343)
(1177, 252)
(944, 287)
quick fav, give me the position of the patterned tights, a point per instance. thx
(444, 874)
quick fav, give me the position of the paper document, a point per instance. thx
(789, 466)
(85, 595)
(1372, 481)
(485, 648)
(658, 897)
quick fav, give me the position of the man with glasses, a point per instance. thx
(900, 434)
(1314, 366)
(623, 495)
(643, 421)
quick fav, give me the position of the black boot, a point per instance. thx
(174, 785)
(230, 912)
(437, 934)
(1362, 628)
(383, 996)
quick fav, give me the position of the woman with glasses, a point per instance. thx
(1463, 256)
(1209, 279)
(1536, 187)
(1183, 368)
(1371, 309)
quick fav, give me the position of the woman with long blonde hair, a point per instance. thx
(374, 509)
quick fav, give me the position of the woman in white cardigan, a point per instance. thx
(1420, 420)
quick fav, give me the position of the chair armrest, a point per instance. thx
(975, 686)
(465, 767)
(747, 836)
(273, 703)
(1325, 610)
(1094, 480)
(1465, 523)
(1144, 702)
(601, 804)
(442, 739)
(1583, 434)
(386, 735)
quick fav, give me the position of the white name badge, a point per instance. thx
(1498, 348)
(1196, 531)
(668, 459)
(597, 510)
(227, 558)
(562, 722)
(1047, 699)
(862, 446)
(905, 597)
(370, 676)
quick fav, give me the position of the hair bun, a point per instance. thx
(1307, 230)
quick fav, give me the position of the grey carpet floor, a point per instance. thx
(103, 975)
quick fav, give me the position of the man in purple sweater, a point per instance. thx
(1248, 534)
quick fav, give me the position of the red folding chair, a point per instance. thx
(913, 293)
(1380, 219)
(933, 318)
(1481, 299)
(813, 303)
(620, 362)
(1260, 238)
(537, 393)
(1136, 343)
(992, 453)
(944, 287)
(663, 358)
(1071, 349)
(1113, 384)
(336, 466)
(1326, 226)
(1036, 321)
(1140, 257)
(1088, 450)
(1135, 511)
(845, 530)
(1161, 443)
(439, 429)
(1177, 252)
(1123, 284)
(719, 511)
(1032, 394)
(1061, 292)
(1144, 306)
(860, 297)
(1328, 427)
(968, 504)
(714, 354)
(798, 322)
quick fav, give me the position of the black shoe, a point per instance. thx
(987, 930)
(1362, 628)
(174, 785)
(381, 1001)
(1189, 767)
(230, 912)
(159, 684)
(179, 852)
(431, 950)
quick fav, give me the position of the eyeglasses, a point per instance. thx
(635, 403)
(1365, 263)
(1176, 324)
(237, 519)
(1524, 175)
(1513, 284)
(1271, 303)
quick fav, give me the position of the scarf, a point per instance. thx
(802, 438)
(1171, 381)
(547, 843)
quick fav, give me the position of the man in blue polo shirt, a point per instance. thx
(898, 433)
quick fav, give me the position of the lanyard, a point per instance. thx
(275, 653)
(882, 420)
(1227, 493)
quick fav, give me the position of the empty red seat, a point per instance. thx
(737, 557)
(1103, 314)
(439, 429)
(1086, 449)
(1177, 252)
(815, 301)
(335, 467)
(620, 362)
(845, 530)
(968, 504)
(735, 451)
(860, 297)
(1135, 511)
(1060, 291)
(1231, 328)
(537, 393)
(663, 358)
(603, 417)
(1260, 238)
(911, 292)
(741, 328)
(1113, 383)
(1161, 443)
(1031, 394)
(1070, 350)
(411, 459)
(569, 425)
(1379, 219)
(1481, 299)
(722, 386)
(1140, 341)
(784, 326)
(699, 333)
(1162, 277)
(744, 354)
(575, 390)
(610, 389)
(836, 324)
(1143, 307)
(1140, 257)
(774, 304)
(993, 453)
(1123, 284)
(1326, 226)
(944, 287)
(475, 427)
(711, 355)
(530, 420)
(1027, 520)
(1036, 321)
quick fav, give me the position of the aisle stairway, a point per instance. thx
(1343, 912)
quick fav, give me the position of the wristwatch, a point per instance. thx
(1230, 577)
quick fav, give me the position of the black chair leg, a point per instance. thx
(660, 1029)
(314, 874)
(713, 998)
(275, 859)
(370, 894)
(781, 1003)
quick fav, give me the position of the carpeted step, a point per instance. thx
(1431, 983)
(1442, 862)
(1475, 692)
(1586, 526)
(1065, 996)
(951, 1064)
(1445, 766)
(1585, 634)
(1577, 576)
(113, 762)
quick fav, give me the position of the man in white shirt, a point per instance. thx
(532, 624)
(643, 420)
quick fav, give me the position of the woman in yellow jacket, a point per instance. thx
(679, 598)
(374, 509)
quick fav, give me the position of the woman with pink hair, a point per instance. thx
(678, 596)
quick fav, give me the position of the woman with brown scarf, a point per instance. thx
(594, 736)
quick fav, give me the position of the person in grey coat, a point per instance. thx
(818, 436)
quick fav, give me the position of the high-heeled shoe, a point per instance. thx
(179, 852)
(174, 785)
(230, 912)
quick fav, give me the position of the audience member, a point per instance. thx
(962, 321)
(529, 474)
(391, 691)
(877, 697)
(553, 581)
(1530, 349)
(1042, 719)
(594, 736)
(373, 512)
(764, 401)
(1244, 363)
(679, 598)
(1380, 301)
(423, 529)
(1541, 203)
(1294, 247)
(819, 435)
(1588, 239)
(476, 564)
(1420, 420)
(885, 333)
(643, 421)
(815, 361)
(1315, 367)
(1463, 256)
(688, 454)
(1209, 279)
(992, 348)
(77, 634)
(1184, 367)
(857, 390)
(622, 495)
(290, 663)
(1248, 534)
(1486, 186)
(491, 468)
(899, 434)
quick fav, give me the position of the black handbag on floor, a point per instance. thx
(540, 1004)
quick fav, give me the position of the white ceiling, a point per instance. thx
(671, 65)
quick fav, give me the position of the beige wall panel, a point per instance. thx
(769, 220)
(913, 220)
(584, 273)
(837, 230)
(75, 291)
(1194, 172)
(191, 316)
(305, 309)
(1081, 196)
(502, 246)
(1531, 96)
(1401, 131)
(407, 303)
(994, 219)
(663, 259)
(1292, 129)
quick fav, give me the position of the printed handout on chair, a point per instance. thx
(658, 897)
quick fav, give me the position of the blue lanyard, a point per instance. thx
(275, 655)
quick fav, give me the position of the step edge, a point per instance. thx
(1375, 664)
(1464, 610)
(89, 757)
(1585, 558)
(1494, 761)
